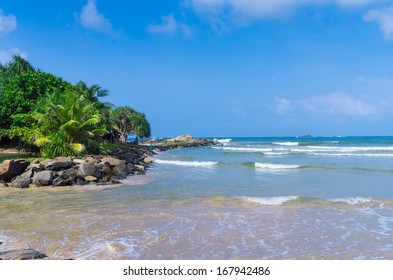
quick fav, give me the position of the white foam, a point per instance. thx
(352, 200)
(276, 166)
(270, 201)
(240, 149)
(286, 143)
(223, 141)
(187, 163)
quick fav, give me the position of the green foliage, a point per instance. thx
(127, 121)
(44, 114)
(57, 146)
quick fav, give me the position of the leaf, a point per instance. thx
(41, 141)
(77, 147)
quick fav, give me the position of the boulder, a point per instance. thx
(65, 178)
(112, 161)
(147, 160)
(36, 167)
(105, 168)
(140, 167)
(79, 160)
(23, 181)
(88, 169)
(120, 170)
(91, 159)
(12, 168)
(3, 184)
(43, 178)
(28, 254)
(130, 168)
(57, 164)
(90, 179)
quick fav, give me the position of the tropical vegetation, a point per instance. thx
(42, 114)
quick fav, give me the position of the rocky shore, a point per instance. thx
(124, 160)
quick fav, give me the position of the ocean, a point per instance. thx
(250, 198)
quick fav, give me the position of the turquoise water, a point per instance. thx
(249, 198)
(323, 167)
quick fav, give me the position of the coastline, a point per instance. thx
(125, 164)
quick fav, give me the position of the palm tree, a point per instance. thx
(77, 118)
(17, 66)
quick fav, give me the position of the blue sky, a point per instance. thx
(220, 67)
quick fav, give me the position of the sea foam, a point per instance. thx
(270, 201)
(352, 200)
(187, 163)
(271, 166)
(286, 143)
(223, 141)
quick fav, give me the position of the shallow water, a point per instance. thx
(293, 206)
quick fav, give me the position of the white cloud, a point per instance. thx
(283, 106)
(384, 19)
(337, 103)
(6, 55)
(92, 19)
(169, 25)
(238, 11)
(7, 23)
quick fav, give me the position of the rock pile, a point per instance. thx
(70, 171)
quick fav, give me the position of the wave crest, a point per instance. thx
(187, 163)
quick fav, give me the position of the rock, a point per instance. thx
(20, 184)
(57, 164)
(36, 167)
(34, 186)
(130, 168)
(90, 179)
(43, 178)
(23, 181)
(88, 169)
(65, 177)
(28, 254)
(120, 171)
(148, 160)
(115, 181)
(112, 161)
(12, 168)
(3, 184)
(79, 160)
(181, 138)
(105, 168)
(91, 159)
(140, 167)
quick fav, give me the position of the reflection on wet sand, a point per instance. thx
(99, 225)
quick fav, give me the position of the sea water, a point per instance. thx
(248, 198)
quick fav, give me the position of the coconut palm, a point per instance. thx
(77, 118)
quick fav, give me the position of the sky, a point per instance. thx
(216, 68)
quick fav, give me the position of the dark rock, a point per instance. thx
(23, 181)
(12, 168)
(43, 178)
(28, 254)
(130, 168)
(57, 164)
(120, 170)
(88, 169)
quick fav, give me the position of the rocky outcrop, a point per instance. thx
(27, 254)
(122, 161)
(12, 168)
